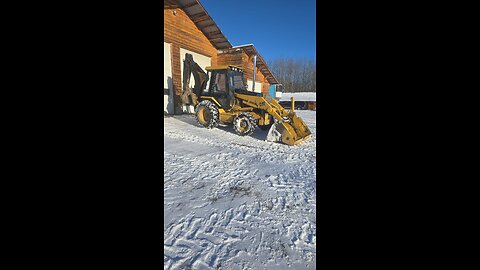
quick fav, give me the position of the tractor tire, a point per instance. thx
(207, 114)
(244, 124)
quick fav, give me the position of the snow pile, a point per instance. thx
(233, 202)
(300, 96)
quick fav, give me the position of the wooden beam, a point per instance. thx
(208, 25)
(190, 5)
(216, 36)
(213, 33)
(216, 44)
(201, 19)
(197, 15)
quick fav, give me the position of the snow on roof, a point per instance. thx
(300, 96)
(241, 46)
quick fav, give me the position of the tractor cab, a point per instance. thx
(224, 81)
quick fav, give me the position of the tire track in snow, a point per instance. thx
(271, 153)
(268, 215)
(233, 223)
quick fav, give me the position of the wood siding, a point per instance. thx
(181, 32)
(240, 58)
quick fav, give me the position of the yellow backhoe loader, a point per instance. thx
(226, 100)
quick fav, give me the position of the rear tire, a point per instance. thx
(206, 113)
(244, 124)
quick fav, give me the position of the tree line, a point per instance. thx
(296, 75)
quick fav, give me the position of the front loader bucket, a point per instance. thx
(289, 132)
(274, 134)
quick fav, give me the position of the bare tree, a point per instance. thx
(296, 75)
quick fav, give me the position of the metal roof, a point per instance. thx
(204, 22)
(250, 50)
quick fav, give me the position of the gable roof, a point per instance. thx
(199, 16)
(250, 50)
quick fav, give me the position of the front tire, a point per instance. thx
(244, 124)
(206, 113)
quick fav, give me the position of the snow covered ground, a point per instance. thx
(233, 202)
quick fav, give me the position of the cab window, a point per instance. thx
(218, 82)
(236, 81)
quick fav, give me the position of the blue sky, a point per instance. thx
(277, 28)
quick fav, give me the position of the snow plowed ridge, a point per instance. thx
(233, 202)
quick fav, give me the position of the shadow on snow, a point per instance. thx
(258, 134)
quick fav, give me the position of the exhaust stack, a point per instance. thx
(254, 72)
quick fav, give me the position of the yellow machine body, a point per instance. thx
(291, 127)
(263, 108)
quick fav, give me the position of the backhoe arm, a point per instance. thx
(190, 67)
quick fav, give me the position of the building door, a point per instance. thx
(167, 79)
(258, 86)
(203, 61)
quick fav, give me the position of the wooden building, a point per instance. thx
(189, 29)
(303, 100)
(243, 56)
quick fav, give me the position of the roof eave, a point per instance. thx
(200, 17)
